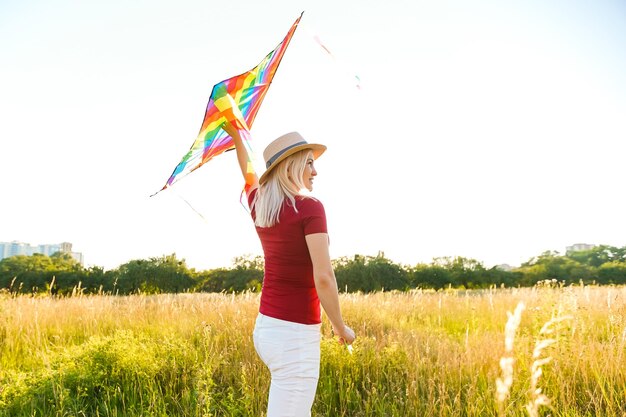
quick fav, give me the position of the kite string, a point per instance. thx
(344, 67)
(190, 206)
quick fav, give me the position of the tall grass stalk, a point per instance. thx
(503, 384)
(537, 397)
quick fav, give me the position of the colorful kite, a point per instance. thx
(237, 100)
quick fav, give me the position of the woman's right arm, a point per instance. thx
(326, 285)
(249, 175)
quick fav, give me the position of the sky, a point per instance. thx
(484, 129)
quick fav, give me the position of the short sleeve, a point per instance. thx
(251, 197)
(313, 216)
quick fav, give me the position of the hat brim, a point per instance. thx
(317, 149)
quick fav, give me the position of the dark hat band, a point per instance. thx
(282, 151)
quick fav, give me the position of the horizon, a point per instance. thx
(249, 255)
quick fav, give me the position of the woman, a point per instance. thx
(298, 273)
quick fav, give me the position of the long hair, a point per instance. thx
(283, 183)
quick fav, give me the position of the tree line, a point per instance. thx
(60, 274)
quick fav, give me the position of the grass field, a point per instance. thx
(547, 350)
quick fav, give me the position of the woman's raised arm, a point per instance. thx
(247, 170)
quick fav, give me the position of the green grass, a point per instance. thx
(421, 353)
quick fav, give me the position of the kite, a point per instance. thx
(236, 100)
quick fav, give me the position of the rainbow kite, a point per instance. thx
(237, 100)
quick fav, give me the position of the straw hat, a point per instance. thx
(284, 146)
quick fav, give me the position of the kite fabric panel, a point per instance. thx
(248, 91)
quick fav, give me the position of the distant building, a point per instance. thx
(8, 249)
(578, 247)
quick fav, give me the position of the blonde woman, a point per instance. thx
(298, 273)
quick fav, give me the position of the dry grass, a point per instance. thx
(420, 353)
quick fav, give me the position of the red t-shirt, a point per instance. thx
(288, 286)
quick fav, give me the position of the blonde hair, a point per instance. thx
(283, 183)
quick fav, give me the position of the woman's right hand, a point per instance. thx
(231, 130)
(346, 335)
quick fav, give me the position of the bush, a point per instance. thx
(104, 373)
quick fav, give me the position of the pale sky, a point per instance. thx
(486, 129)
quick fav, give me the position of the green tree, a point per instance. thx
(245, 275)
(40, 273)
(498, 277)
(612, 273)
(249, 262)
(597, 256)
(549, 265)
(63, 261)
(165, 274)
(462, 272)
(370, 273)
(429, 276)
(23, 273)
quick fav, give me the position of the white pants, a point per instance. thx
(291, 351)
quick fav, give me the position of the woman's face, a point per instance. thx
(309, 174)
